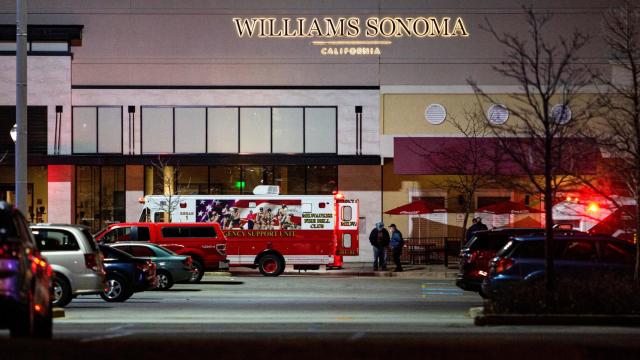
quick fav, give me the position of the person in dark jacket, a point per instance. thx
(397, 243)
(477, 226)
(379, 239)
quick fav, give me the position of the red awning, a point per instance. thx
(454, 156)
(507, 207)
(413, 208)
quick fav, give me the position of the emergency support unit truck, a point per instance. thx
(267, 230)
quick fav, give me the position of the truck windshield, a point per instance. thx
(144, 216)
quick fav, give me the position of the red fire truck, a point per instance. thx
(267, 230)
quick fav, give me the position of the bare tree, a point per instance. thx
(540, 137)
(171, 193)
(470, 161)
(619, 105)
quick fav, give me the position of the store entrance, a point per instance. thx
(8, 194)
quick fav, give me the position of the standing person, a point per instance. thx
(397, 243)
(477, 226)
(379, 239)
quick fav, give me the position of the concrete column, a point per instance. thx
(61, 193)
(363, 182)
(134, 187)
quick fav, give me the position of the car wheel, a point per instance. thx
(116, 289)
(61, 291)
(23, 321)
(165, 281)
(271, 265)
(44, 324)
(198, 272)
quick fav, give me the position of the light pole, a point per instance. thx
(21, 106)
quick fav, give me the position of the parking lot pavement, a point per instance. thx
(236, 317)
(384, 304)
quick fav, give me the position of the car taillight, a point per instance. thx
(503, 264)
(221, 249)
(91, 262)
(471, 257)
(187, 262)
(8, 251)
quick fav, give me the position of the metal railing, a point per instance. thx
(430, 250)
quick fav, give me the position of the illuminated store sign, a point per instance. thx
(350, 31)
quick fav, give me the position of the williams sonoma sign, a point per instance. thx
(350, 35)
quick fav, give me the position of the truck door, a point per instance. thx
(347, 234)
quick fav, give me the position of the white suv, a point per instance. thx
(74, 258)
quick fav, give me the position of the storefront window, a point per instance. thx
(236, 180)
(157, 130)
(288, 132)
(322, 179)
(291, 179)
(222, 130)
(225, 180)
(100, 195)
(320, 130)
(84, 130)
(97, 129)
(253, 176)
(255, 130)
(190, 130)
(193, 180)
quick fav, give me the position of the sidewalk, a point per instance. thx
(427, 272)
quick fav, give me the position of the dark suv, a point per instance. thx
(25, 278)
(476, 255)
(576, 257)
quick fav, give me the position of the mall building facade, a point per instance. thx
(314, 96)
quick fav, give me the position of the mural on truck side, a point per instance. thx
(250, 214)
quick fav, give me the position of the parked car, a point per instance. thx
(476, 254)
(74, 258)
(203, 242)
(25, 279)
(578, 256)
(126, 275)
(171, 267)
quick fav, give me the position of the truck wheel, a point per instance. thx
(61, 291)
(271, 265)
(165, 282)
(198, 272)
(116, 289)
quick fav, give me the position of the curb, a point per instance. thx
(476, 312)
(57, 312)
(561, 319)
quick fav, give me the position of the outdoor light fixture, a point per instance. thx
(132, 128)
(58, 131)
(14, 132)
(358, 130)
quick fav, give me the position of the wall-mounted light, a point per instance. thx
(58, 132)
(359, 130)
(132, 127)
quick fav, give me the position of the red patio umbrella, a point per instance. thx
(417, 207)
(413, 208)
(507, 207)
(527, 222)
